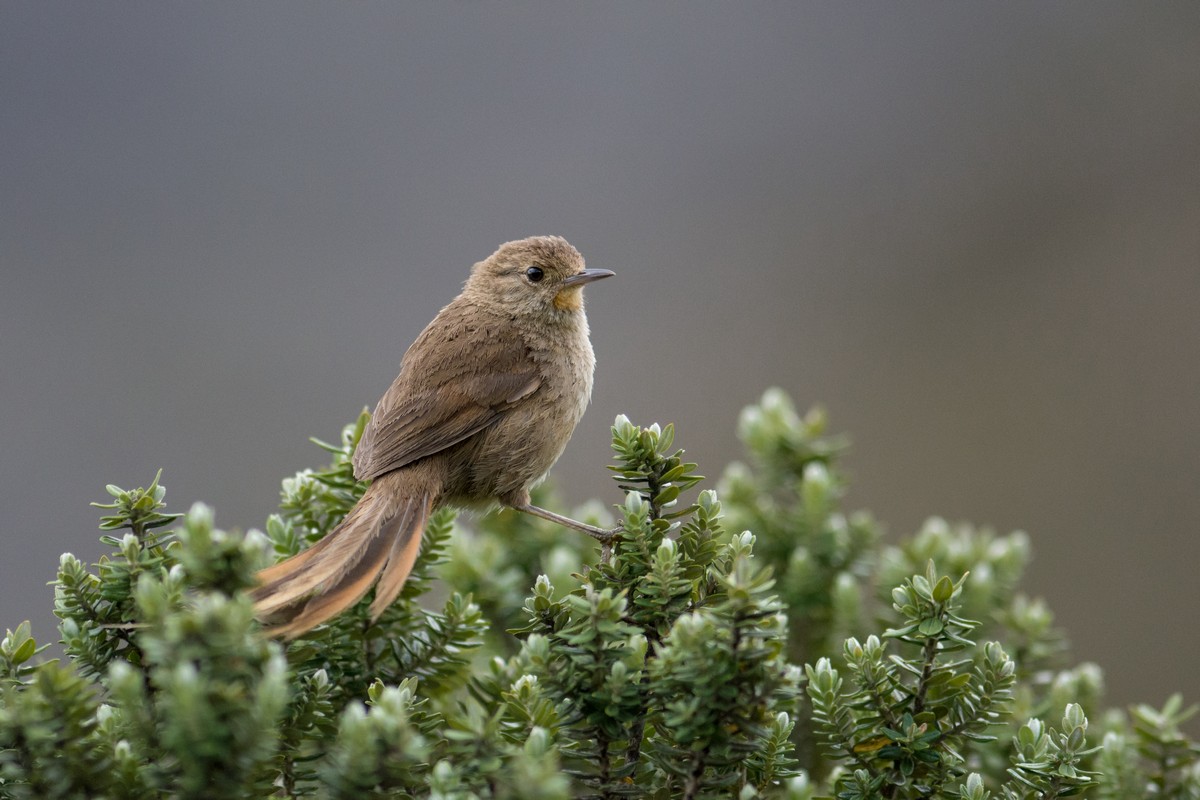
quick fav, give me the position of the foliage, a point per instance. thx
(759, 643)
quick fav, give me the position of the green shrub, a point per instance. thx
(764, 644)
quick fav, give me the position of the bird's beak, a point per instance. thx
(587, 276)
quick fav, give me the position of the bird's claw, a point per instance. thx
(605, 536)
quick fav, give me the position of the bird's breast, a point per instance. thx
(518, 450)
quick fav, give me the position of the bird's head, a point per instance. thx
(541, 275)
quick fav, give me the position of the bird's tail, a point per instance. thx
(376, 544)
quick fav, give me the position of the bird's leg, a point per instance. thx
(601, 535)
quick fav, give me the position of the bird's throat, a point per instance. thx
(569, 299)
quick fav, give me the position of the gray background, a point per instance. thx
(972, 231)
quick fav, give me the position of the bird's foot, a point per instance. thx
(604, 536)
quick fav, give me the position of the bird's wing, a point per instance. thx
(459, 377)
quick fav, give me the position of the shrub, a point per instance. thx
(759, 643)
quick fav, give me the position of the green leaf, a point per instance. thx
(944, 589)
(931, 627)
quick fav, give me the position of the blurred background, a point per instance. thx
(971, 231)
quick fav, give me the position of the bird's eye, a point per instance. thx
(534, 274)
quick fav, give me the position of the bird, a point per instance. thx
(487, 397)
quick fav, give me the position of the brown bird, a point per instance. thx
(486, 399)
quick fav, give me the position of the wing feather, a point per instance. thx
(460, 376)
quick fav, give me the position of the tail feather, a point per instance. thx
(277, 573)
(347, 590)
(342, 548)
(286, 582)
(380, 535)
(405, 547)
